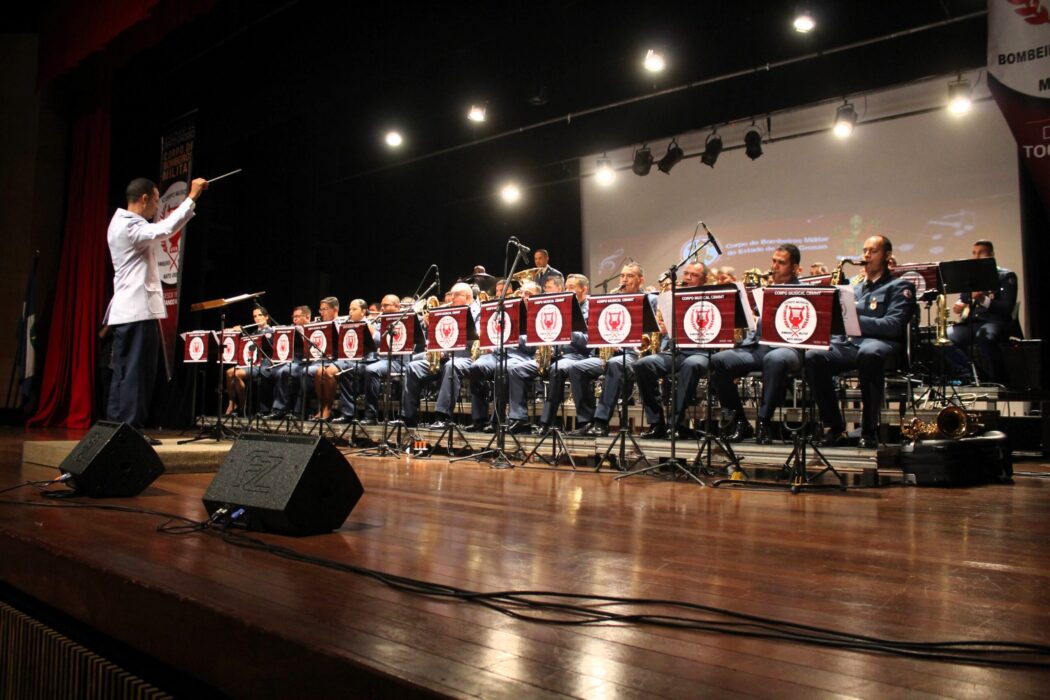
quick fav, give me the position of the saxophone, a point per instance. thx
(650, 344)
(836, 276)
(423, 306)
(606, 354)
(544, 354)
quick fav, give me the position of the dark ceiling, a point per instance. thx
(299, 95)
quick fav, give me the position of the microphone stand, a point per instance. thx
(676, 467)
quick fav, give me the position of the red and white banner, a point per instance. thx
(399, 333)
(616, 320)
(491, 323)
(798, 316)
(284, 343)
(196, 345)
(228, 343)
(176, 161)
(319, 340)
(1019, 80)
(448, 329)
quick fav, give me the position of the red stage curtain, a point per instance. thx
(69, 364)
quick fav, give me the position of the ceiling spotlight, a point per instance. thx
(393, 139)
(476, 113)
(671, 158)
(845, 120)
(604, 175)
(510, 193)
(959, 101)
(654, 61)
(643, 161)
(753, 143)
(804, 22)
(712, 149)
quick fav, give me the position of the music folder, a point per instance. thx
(197, 345)
(400, 334)
(228, 343)
(355, 340)
(319, 340)
(553, 318)
(804, 317)
(450, 329)
(616, 320)
(706, 317)
(925, 276)
(512, 320)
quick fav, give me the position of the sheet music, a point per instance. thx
(663, 305)
(745, 301)
(848, 303)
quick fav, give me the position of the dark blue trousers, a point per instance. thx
(135, 349)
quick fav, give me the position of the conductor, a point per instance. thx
(138, 298)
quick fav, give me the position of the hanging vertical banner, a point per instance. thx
(176, 164)
(1019, 79)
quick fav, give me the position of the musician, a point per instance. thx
(500, 283)
(885, 306)
(235, 375)
(989, 324)
(554, 284)
(593, 419)
(138, 300)
(287, 376)
(563, 357)
(376, 371)
(328, 310)
(418, 374)
(691, 365)
(348, 373)
(776, 363)
(817, 268)
(543, 268)
(484, 370)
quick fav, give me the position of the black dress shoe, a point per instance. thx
(341, 420)
(684, 432)
(868, 441)
(369, 421)
(275, 415)
(519, 427)
(740, 430)
(489, 428)
(152, 440)
(580, 431)
(762, 435)
(476, 427)
(835, 438)
(598, 429)
(656, 431)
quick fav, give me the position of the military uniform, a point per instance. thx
(990, 325)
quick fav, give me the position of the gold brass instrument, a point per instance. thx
(952, 423)
(942, 339)
(650, 344)
(836, 276)
(756, 277)
(483, 296)
(423, 306)
(529, 275)
(544, 354)
(606, 354)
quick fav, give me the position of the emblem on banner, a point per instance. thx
(446, 332)
(283, 347)
(196, 348)
(320, 343)
(398, 337)
(492, 328)
(702, 322)
(169, 202)
(796, 320)
(548, 323)
(350, 343)
(247, 350)
(614, 324)
(229, 349)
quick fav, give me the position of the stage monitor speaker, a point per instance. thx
(292, 485)
(112, 460)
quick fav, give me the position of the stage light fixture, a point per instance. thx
(753, 143)
(804, 22)
(654, 61)
(712, 149)
(476, 113)
(511, 193)
(845, 120)
(643, 161)
(393, 139)
(604, 175)
(671, 158)
(959, 101)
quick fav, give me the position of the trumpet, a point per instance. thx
(942, 339)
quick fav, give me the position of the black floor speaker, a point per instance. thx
(292, 485)
(112, 460)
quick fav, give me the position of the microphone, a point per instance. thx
(711, 238)
(521, 246)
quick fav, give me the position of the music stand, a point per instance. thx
(551, 321)
(621, 321)
(219, 431)
(286, 343)
(356, 342)
(195, 351)
(449, 330)
(967, 277)
(804, 319)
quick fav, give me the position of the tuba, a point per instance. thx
(529, 275)
(836, 276)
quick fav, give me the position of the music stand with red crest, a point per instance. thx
(551, 319)
(355, 343)
(195, 351)
(804, 318)
(621, 321)
(450, 329)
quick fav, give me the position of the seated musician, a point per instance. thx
(554, 284)
(776, 363)
(235, 376)
(382, 367)
(592, 418)
(562, 358)
(347, 374)
(691, 365)
(885, 306)
(418, 372)
(287, 376)
(329, 310)
(483, 371)
(990, 323)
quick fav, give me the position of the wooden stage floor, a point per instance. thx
(911, 563)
